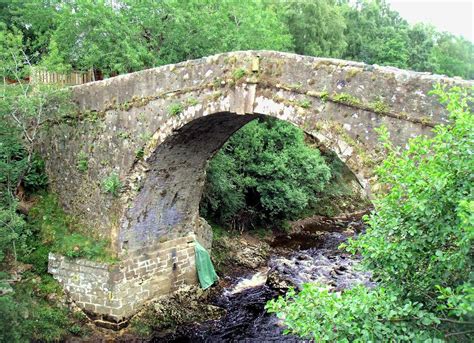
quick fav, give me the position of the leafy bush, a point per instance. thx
(418, 246)
(421, 233)
(265, 174)
(27, 316)
(356, 315)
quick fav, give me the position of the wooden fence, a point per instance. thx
(74, 78)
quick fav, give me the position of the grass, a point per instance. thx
(346, 99)
(305, 103)
(33, 312)
(380, 107)
(238, 74)
(82, 162)
(57, 232)
(175, 109)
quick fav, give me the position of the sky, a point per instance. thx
(455, 16)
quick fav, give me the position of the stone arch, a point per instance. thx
(166, 203)
(124, 126)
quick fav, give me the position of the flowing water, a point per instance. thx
(298, 259)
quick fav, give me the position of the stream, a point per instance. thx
(310, 255)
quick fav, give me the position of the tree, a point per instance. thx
(236, 25)
(99, 36)
(317, 27)
(263, 175)
(452, 56)
(24, 109)
(375, 34)
(420, 45)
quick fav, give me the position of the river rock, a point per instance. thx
(238, 252)
(278, 281)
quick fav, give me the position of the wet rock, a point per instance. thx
(230, 252)
(279, 282)
(189, 304)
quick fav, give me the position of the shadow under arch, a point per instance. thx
(167, 203)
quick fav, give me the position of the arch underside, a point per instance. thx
(167, 204)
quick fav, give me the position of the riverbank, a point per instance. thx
(255, 268)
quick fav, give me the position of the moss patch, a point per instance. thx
(60, 233)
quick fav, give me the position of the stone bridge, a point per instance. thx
(156, 129)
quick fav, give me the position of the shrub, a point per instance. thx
(265, 174)
(421, 233)
(418, 246)
(356, 315)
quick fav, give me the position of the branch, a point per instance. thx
(455, 321)
(458, 333)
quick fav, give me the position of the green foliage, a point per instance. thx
(112, 184)
(27, 315)
(58, 232)
(16, 166)
(346, 99)
(81, 35)
(175, 109)
(317, 27)
(95, 35)
(324, 96)
(11, 42)
(13, 233)
(139, 153)
(452, 56)
(418, 246)
(356, 315)
(82, 162)
(305, 103)
(379, 106)
(417, 238)
(264, 175)
(376, 34)
(180, 30)
(239, 73)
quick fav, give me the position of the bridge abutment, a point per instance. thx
(110, 294)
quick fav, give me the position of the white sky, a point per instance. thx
(455, 16)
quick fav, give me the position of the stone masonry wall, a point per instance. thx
(110, 293)
(122, 121)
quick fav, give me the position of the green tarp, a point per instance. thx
(206, 273)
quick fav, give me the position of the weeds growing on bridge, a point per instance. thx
(112, 184)
(60, 233)
(175, 109)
